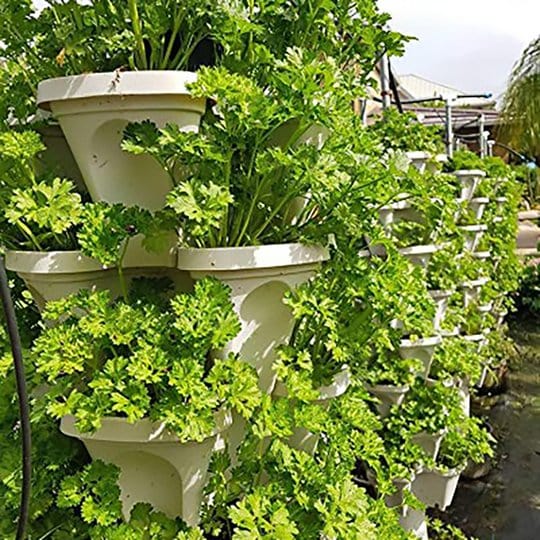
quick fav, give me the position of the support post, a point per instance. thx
(449, 128)
(385, 82)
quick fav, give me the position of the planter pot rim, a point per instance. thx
(51, 262)
(485, 308)
(420, 250)
(387, 388)
(474, 228)
(450, 473)
(480, 282)
(250, 257)
(398, 205)
(469, 172)
(479, 200)
(424, 342)
(121, 84)
(474, 338)
(482, 254)
(337, 388)
(418, 154)
(117, 429)
(501, 199)
(450, 333)
(439, 294)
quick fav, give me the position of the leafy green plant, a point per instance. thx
(467, 441)
(135, 360)
(397, 131)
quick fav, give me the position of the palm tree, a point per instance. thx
(521, 106)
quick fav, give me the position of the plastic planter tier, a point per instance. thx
(471, 290)
(155, 467)
(420, 349)
(441, 299)
(93, 111)
(399, 211)
(462, 385)
(479, 339)
(418, 255)
(303, 439)
(258, 276)
(57, 274)
(472, 235)
(469, 180)
(429, 442)
(424, 161)
(436, 488)
(477, 206)
(389, 395)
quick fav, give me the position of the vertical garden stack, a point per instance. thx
(254, 316)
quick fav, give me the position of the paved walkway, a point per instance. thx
(505, 505)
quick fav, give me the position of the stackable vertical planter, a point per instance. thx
(424, 161)
(398, 211)
(462, 385)
(436, 488)
(93, 111)
(57, 274)
(429, 442)
(441, 299)
(469, 181)
(258, 276)
(389, 395)
(471, 290)
(478, 206)
(420, 349)
(303, 439)
(154, 466)
(472, 235)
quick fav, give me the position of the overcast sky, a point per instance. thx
(469, 44)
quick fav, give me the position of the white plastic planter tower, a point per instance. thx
(471, 290)
(429, 442)
(93, 111)
(469, 180)
(259, 276)
(303, 439)
(441, 299)
(472, 235)
(389, 395)
(420, 349)
(154, 466)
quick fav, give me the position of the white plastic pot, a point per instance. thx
(500, 316)
(471, 290)
(419, 255)
(93, 111)
(154, 466)
(388, 395)
(436, 488)
(418, 159)
(485, 309)
(450, 333)
(479, 339)
(483, 376)
(472, 235)
(57, 274)
(315, 135)
(469, 180)
(303, 439)
(414, 521)
(441, 299)
(429, 442)
(420, 349)
(259, 276)
(399, 211)
(482, 255)
(478, 206)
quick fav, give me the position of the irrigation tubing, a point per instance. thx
(24, 409)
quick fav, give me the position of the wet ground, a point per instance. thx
(505, 504)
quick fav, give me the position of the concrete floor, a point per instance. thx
(505, 505)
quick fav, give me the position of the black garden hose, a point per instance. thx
(24, 409)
